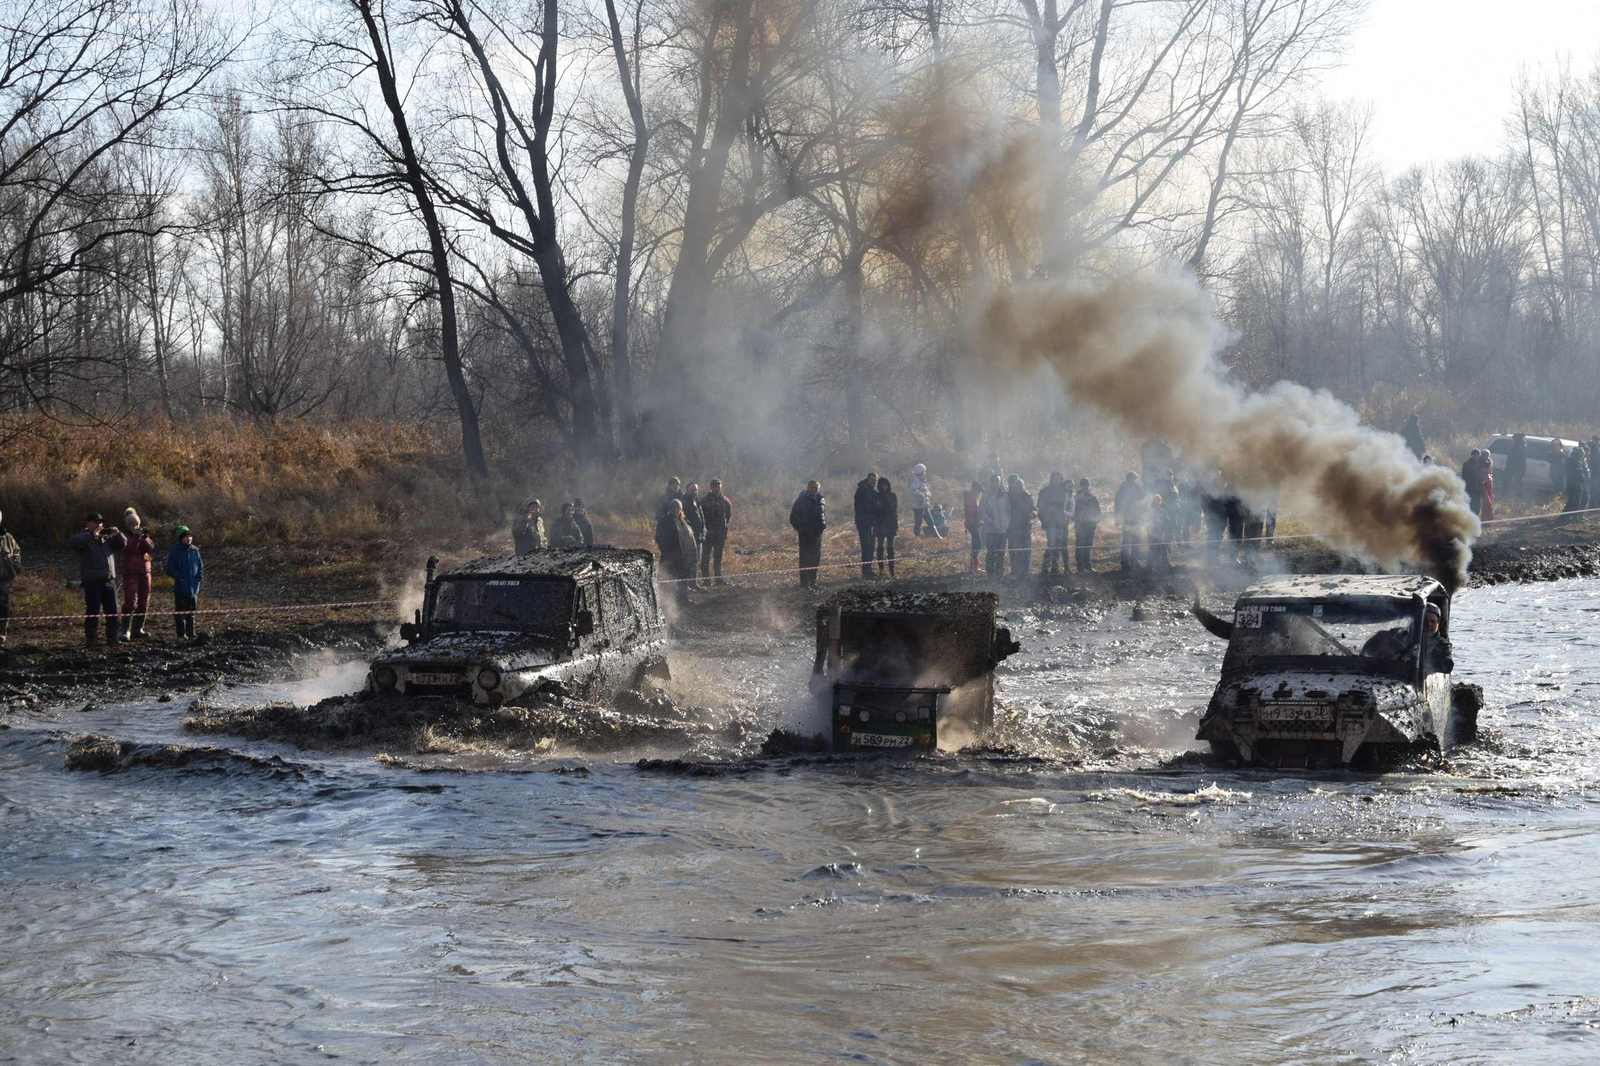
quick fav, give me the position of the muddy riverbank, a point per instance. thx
(38, 679)
(42, 674)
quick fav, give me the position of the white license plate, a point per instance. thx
(1297, 714)
(879, 740)
(436, 679)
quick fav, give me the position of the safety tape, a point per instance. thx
(211, 611)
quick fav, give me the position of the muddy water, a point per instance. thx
(1094, 901)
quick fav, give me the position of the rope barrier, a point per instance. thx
(1107, 546)
(337, 605)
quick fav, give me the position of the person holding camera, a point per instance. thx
(98, 546)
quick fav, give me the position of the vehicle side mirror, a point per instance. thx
(585, 623)
(1004, 645)
(409, 632)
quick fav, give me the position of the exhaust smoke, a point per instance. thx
(1139, 345)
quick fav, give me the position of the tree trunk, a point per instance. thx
(450, 348)
(621, 368)
(689, 290)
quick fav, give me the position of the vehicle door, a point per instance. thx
(592, 646)
(1435, 682)
(620, 607)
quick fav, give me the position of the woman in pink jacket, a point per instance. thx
(136, 559)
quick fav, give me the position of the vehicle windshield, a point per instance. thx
(1364, 638)
(535, 605)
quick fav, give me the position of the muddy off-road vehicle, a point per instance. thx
(498, 629)
(1321, 669)
(905, 670)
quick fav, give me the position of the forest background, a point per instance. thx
(351, 269)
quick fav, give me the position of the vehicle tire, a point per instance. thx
(1226, 750)
(1466, 701)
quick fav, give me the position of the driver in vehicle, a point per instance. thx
(1401, 643)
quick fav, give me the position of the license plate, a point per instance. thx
(879, 740)
(436, 679)
(1297, 714)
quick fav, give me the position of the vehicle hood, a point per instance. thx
(519, 651)
(1314, 687)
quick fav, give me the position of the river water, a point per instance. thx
(1092, 899)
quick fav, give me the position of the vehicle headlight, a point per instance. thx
(384, 677)
(488, 678)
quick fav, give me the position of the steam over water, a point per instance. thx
(943, 910)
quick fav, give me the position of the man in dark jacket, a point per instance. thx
(1129, 505)
(581, 516)
(565, 532)
(10, 567)
(809, 518)
(1019, 533)
(1577, 481)
(695, 519)
(1472, 474)
(667, 519)
(886, 525)
(98, 547)
(1517, 463)
(1085, 517)
(718, 511)
(1055, 503)
(1413, 436)
(866, 506)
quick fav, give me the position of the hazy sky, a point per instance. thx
(1441, 73)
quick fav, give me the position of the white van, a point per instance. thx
(1540, 477)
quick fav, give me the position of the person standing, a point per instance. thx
(973, 517)
(695, 517)
(98, 546)
(886, 524)
(995, 520)
(136, 560)
(681, 557)
(1054, 505)
(1162, 534)
(1488, 496)
(1085, 517)
(186, 569)
(866, 506)
(565, 532)
(1019, 534)
(718, 511)
(10, 567)
(693, 514)
(1413, 435)
(921, 499)
(1472, 474)
(581, 517)
(808, 517)
(1577, 481)
(528, 534)
(1517, 463)
(1129, 506)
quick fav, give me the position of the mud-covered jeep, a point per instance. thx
(497, 629)
(1321, 668)
(908, 671)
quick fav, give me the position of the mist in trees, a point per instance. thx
(623, 228)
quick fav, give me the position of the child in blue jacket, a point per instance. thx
(185, 569)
